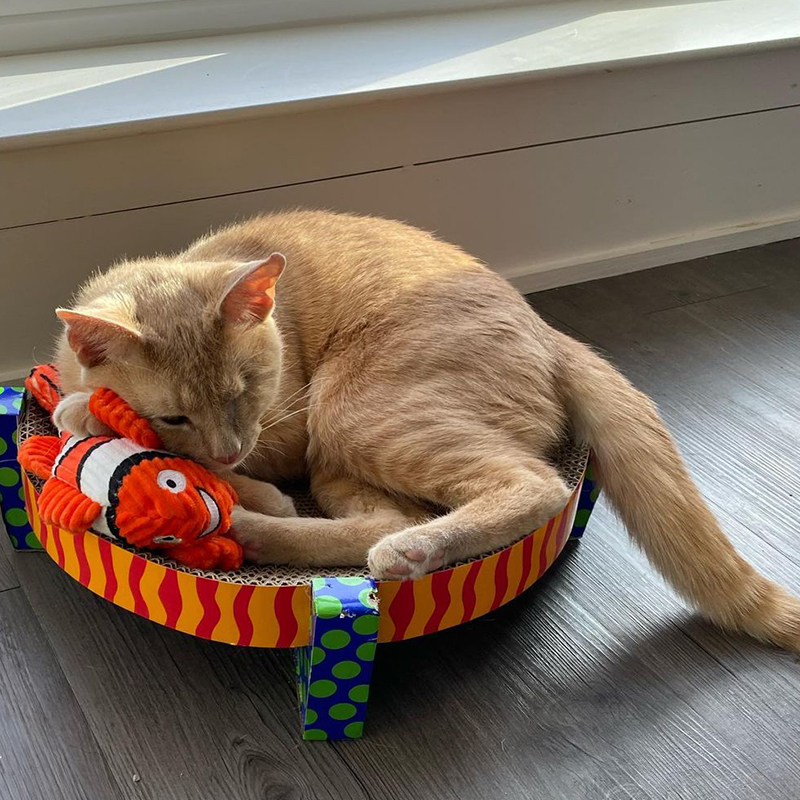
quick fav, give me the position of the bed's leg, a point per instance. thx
(12, 496)
(334, 670)
(590, 491)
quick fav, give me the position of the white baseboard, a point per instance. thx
(654, 254)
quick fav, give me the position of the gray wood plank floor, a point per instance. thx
(597, 684)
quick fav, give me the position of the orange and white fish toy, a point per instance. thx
(128, 488)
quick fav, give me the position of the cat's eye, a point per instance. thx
(175, 420)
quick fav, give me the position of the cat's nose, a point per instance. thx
(229, 458)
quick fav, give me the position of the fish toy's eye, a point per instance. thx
(171, 480)
(167, 539)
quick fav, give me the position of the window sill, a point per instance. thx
(97, 93)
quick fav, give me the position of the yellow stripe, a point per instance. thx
(514, 572)
(226, 630)
(536, 551)
(387, 590)
(121, 564)
(97, 578)
(455, 609)
(191, 610)
(71, 565)
(552, 545)
(151, 579)
(301, 606)
(423, 607)
(569, 513)
(33, 506)
(484, 586)
(262, 615)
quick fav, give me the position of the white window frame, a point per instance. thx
(29, 26)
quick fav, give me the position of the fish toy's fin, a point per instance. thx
(63, 505)
(38, 454)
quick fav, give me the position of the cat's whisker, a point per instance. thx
(286, 400)
(262, 446)
(274, 412)
(290, 415)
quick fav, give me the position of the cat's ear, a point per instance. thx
(250, 294)
(95, 337)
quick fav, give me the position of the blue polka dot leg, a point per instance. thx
(334, 671)
(12, 500)
(590, 491)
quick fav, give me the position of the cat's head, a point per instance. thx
(193, 348)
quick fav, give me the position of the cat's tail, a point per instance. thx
(648, 485)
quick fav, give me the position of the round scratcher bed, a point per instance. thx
(334, 620)
(569, 460)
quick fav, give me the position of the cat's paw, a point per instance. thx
(260, 496)
(72, 415)
(405, 556)
(249, 530)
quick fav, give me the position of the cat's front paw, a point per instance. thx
(260, 496)
(251, 531)
(405, 555)
(72, 415)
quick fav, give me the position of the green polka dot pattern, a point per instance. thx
(359, 694)
(322, 688)
(366, 625)
(12, 496)
(9, 476)
(335, 669)
(329, 606)
(590, 491)
(366, 651)
(346, 669)
(354, 730)
(335, 640)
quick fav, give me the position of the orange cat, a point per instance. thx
(400, 372)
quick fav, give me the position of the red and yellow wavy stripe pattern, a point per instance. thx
(444, 599)
(258, 616)
(279, 616)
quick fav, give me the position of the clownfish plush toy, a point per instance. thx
(128, 488)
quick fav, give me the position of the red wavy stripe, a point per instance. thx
(401, 610)
(501, 577)
(284, 613)
(84, 571)
(59, 547)
(137, 568)
(543, 551)
(468, 590)
(440, 582)
(241, 615)
(563, 532)
(169, 594)
(44, 534)
(527, 563)
(108, 569)
(206, 590)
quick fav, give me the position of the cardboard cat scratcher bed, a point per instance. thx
(334, 622)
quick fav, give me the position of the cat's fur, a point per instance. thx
(402, 374)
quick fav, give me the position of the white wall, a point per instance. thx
(549, 182)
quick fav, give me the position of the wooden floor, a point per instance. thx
(596, 684)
